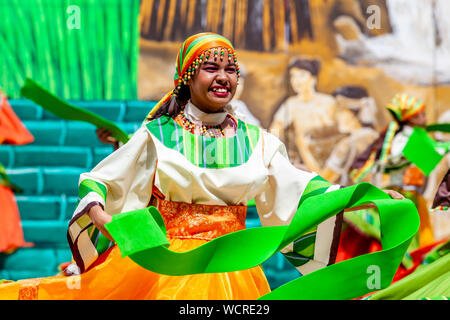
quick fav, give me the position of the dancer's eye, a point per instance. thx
(210, 69)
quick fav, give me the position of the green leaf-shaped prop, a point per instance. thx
(32, 91)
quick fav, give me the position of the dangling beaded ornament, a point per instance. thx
(204, 56)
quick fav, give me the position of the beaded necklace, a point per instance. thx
(205, 130)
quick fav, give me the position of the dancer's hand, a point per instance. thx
(394, 194)
(105, 136)
(99, 217)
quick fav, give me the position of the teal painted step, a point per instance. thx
(130, 127)
(26, 109)
(35, 208)
(70, 206)
(41, 207)
(37, 259)
(70, 133)
(60, 180)
(101, 153)
(47, 132)
(110, 110)
(82, 134)
(45, 232)
(14, 275)
(47, 180)
(4, 274)
(137, 110)
(36, 262)
(6, 156)
(127, 111)
(30, 180)
(30, 156)
(30, 274)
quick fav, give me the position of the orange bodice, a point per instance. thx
(198, 221)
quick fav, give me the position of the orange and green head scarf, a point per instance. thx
(194, 50)
(403, 107)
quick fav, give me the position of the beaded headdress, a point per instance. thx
(403, 107)
(195, 50)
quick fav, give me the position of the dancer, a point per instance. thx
(383, 164)
(12, 131)
(199, 166)
(386, 166)
(351, 100)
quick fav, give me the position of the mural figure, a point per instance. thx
(308, 122)
(351, 100)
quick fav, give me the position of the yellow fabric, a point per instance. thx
(120, 278)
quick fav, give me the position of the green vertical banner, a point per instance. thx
(78, 49)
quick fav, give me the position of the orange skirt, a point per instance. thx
(120, 278)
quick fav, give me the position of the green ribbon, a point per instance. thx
(422, 150)
(141, 235)
(442, 127)
(4, 181)
(32, 91)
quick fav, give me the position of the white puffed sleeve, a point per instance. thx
(121, 182)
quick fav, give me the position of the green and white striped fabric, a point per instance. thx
(85, 240)
(207, 152)
(303, 248)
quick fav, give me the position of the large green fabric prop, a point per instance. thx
(141, 236)
(423, 151)
(32, 91)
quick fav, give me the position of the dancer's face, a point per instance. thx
(214, 84)
(419, 120)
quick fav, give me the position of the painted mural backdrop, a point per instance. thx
(317, 73)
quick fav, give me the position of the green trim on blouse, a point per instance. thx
(207, 152)
(89, 185)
